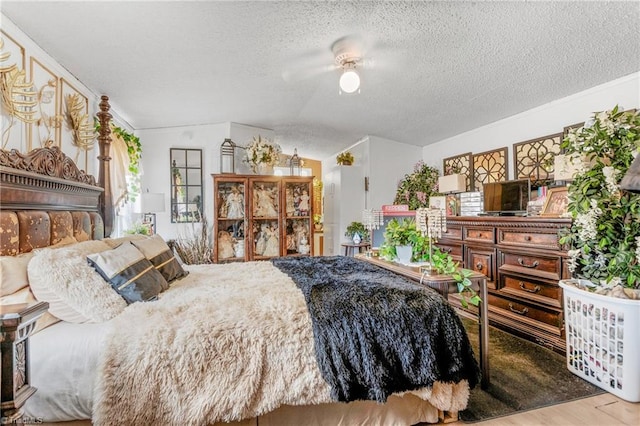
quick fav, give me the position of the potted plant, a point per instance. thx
(317, 222)
(400, 239)
(345, 158)
(416, 188)
(601, 316)
(261, 155)
(357, 232)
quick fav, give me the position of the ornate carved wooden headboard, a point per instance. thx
(44, 198)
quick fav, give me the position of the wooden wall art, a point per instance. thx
(534, 159)
(460, 164)
(490, 166)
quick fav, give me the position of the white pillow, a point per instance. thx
(75, 291)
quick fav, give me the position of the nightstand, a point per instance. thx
(16, 324)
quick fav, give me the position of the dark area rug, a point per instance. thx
(524, 376)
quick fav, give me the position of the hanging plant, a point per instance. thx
(134, 150)
(416, 188)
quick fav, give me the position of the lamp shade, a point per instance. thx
(452, 183)
(151, 202)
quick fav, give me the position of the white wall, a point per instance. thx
(389, 161)
(540, 121)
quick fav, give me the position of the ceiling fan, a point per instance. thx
(348, 55)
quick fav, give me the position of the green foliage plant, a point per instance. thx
(416, 188)
(357, 228)
(345, 158)
(604, 237)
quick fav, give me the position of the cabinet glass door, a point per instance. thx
(298, 196)
(230, 229)
(265, 215)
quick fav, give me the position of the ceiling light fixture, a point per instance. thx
(349, 80)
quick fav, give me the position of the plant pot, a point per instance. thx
(317, 227)
(403, 253)
(356, 238)
(264, 169)
(603, 340)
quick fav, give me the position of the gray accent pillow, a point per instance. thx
(130, 274)
(158, 252)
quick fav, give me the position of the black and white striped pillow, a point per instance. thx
(129, 272)
(158, 252)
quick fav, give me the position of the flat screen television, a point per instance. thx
(507, 198)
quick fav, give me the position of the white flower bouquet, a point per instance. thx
(262, 151)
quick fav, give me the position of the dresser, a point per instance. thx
(523, 262)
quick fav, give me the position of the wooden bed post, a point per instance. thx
(104, 176)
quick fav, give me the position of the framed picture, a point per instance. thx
(439, 202)
(556, 202)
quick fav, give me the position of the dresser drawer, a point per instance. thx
(550, 320)
(482, 261)
(549, 267)
(479, 234)
(529, 237)
(452, 233)
(455, 250)
(536, 291)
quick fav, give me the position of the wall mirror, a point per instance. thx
(186, 185)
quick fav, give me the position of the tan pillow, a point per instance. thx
(75, 291)
(13, 269)
(115, 242)
(13, 273)
(25, 296)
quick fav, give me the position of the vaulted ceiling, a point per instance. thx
(431, 69)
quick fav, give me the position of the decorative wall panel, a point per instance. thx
(534, 159)
(65, 132)
(461, 164)
(45, 131)
(490, 166)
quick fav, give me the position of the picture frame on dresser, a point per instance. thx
(556, 202)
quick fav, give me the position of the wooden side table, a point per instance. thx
(16, 324)
(350, 248)
(445, 284)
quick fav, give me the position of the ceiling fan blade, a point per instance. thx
(304, 73)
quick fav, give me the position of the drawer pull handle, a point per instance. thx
(446, 250)
(479, 266)
(524, 311)
(534, 290)
(527, 237)
(533, 265)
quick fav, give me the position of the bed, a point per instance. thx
(237, 343)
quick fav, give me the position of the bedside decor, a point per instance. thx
(416, 188)
(262, 155)
(604, 255)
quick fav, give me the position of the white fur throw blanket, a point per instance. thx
(225, 343)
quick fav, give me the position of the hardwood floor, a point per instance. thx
(604, 409)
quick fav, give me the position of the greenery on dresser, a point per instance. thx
(416, 188)
(605, 233)
(405, 232)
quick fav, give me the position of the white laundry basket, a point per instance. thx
(603, 340)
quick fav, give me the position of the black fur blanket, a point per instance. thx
(376, 332)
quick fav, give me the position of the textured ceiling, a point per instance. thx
(433, 69)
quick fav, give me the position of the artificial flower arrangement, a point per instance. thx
(416, 188)
(262, 151)
(605, 233)
(345, 158)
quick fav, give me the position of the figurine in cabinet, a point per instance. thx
(261, 240)
(265, 203)
(272, 248)
(235, 204)
(225, 245)
(303, 206)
